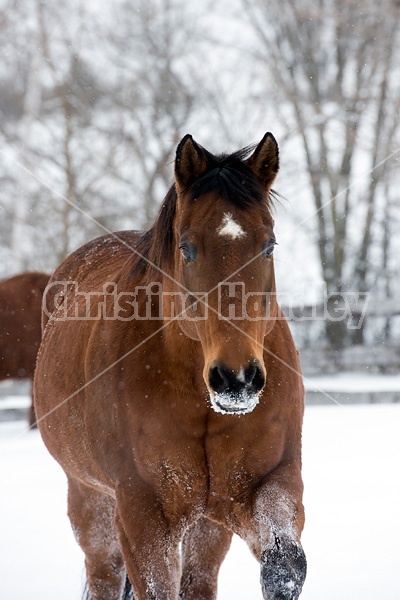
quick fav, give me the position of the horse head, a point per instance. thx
(223, 241)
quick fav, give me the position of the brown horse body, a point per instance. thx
(178, 429)
(20, 325)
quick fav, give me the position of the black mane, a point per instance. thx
(229, 176)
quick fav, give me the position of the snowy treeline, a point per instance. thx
(94, 97)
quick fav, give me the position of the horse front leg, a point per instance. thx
(273, 529)
(149, 543)
(204, 548)
(92, 517)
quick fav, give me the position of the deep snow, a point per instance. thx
(352, 485)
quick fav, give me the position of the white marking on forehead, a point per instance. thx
(230, 228)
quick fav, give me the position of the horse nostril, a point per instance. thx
(224, 380)
(218, 379)
(254, 377)
(250, 373)
(259, 380)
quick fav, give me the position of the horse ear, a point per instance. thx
(190, 163)
(264, 162)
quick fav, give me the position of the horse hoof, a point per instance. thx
(283, 570)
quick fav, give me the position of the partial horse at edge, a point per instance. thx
(20, 326)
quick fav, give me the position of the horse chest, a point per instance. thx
(195, 476)
(229, 476)
(238, 460)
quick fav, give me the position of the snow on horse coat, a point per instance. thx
(168, 388)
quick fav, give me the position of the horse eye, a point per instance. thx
(269, 248)
(188, 252)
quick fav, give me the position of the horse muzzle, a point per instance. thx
(233, 392)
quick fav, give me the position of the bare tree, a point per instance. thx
(90, 120)
(155, 92)
(334, 67)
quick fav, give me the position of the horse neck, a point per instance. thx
(176, 340)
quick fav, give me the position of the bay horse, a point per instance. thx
(20, 326)
(177, 418)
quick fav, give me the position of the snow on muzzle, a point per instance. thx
(235, 392)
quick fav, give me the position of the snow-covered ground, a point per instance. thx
(352, 479)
